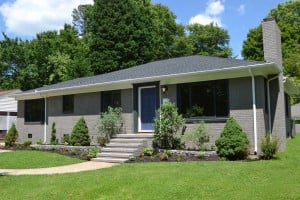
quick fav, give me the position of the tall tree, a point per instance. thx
(209, 40)
(120, 34)
(287, 16)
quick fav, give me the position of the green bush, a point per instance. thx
(27, 143)
(269, 147)
(148, 151)
(198, 136)
(12, 136)
(92, 153)
(233, 142)
(201, 155)
(110, 123)
(80, 134)
(65, 139)
(53, 139)
(166, 125)
(40, 141)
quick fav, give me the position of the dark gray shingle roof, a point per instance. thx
(158, 68)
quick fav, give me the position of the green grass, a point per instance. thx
(276, 179)
(33, 159)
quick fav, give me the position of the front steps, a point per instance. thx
(123, 146)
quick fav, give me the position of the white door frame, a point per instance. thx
(139, 108)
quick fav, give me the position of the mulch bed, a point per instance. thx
(174, 157)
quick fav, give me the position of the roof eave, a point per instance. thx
(263, 69)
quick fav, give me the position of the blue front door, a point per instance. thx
(147, 108)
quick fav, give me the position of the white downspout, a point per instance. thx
(254, 111)
(269, 102)
(7, 121)
(45, 122)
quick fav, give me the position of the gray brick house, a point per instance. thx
(255, 93)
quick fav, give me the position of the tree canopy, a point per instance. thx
(104, 37)
(287, 15)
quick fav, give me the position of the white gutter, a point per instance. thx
(269, 101)
(45, 122)
(254, 111)
(145, 79)
(7, 121)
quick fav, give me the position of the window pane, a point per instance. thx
(68, 104)
(203, 99)
(34, 110)
(112, 99)
(222, 108)
(184, 100)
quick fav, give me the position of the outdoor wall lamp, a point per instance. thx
(164, 89)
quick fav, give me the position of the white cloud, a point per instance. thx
(212, 14)
(214, 8)
(205, 20)
(28, 17)
(241, 10)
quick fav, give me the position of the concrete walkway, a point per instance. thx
(79, 167)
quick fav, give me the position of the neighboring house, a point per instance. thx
(296, 116)
(8, 111)
(203, 88)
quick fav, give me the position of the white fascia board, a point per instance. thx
(225, 73)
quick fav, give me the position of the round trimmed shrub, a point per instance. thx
(80, 134)
(233, 142)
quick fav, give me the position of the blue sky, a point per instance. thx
(25, 18)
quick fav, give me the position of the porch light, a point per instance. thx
(164, 89)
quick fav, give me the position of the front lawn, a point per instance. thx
(276, 179)
(22, 159)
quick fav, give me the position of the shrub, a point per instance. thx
(92, 153)
(40, 141)
(27, 143)
(101, 141)
(198, 137)
(166, 125)
(65, 139)
(163, 157)
(148, 151)
(201, 155)
(80, 134)
(269, 147)
(53, 139)
(233, 142)
(110, 123)
(11, 136)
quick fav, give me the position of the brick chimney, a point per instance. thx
(272, 41)
(273, 54)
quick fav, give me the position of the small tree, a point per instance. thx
(80, 134)
(198, 136)
(110, 123)
(166, 124)
(233, 142)
(53, 140)
(12, 136)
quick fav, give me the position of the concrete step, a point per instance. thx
(127, 140)
(137, 135)
(124, 145)
(110, 160)
(116, 149)
(114, 155)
